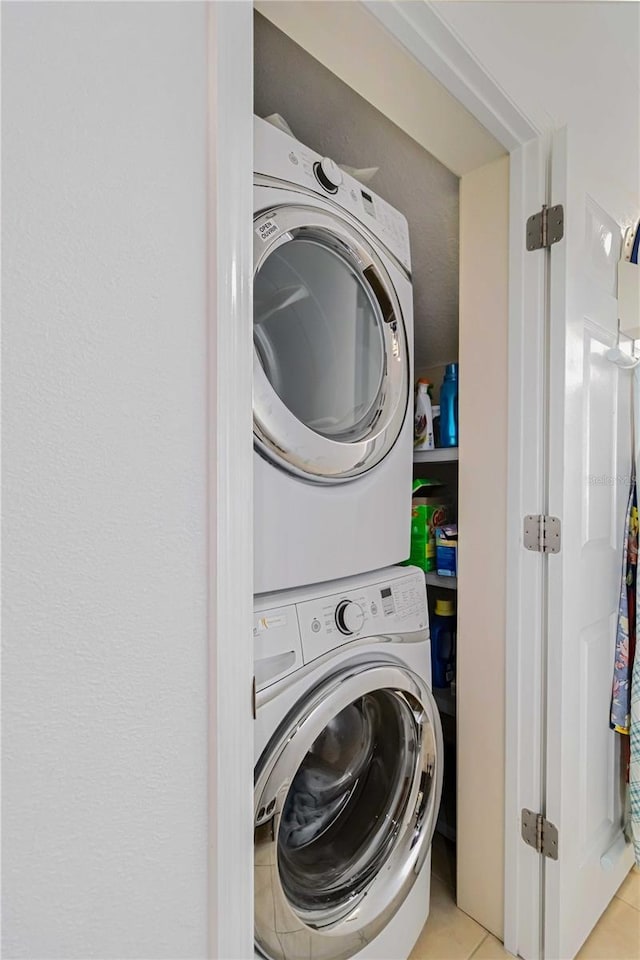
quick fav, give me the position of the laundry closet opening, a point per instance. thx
(350, 92)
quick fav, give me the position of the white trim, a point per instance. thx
(432, 41)
(230, 213)
(525, 571)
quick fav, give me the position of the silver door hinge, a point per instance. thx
(541, 533)
(546, 227)
(540, 834)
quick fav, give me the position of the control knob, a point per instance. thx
(328, 174)
(349, 617)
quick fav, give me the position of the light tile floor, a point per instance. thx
(450, 934)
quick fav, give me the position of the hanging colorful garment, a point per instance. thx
(626, 630)
(633, 828)
(633, 791)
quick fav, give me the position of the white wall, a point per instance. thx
(105, 645)
(482, 494)
(590, 78)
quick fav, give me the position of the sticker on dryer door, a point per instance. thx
(267, 229)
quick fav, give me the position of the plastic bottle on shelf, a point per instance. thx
(435, 410)
(423, 420)
(449, 407)
(443, 644)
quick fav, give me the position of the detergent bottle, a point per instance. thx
(423, 421)
(449, 407)
(443, 644)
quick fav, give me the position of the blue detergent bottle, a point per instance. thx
(449, 407)
(443, 643)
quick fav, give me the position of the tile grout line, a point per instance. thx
(632, 905)
(486, 936)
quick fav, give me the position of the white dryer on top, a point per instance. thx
(333, 342)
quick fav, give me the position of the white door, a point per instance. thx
(589, 463)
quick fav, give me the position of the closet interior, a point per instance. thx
(437, 165)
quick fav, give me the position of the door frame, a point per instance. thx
(426, 35)
(230, 478)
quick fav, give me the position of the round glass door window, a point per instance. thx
(343, 809)
(318, 333)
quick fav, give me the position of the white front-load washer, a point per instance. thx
(333, 342)
(348, 768)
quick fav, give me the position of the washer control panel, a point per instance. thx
(390, 607)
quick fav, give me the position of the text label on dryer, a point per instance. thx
(267, 229)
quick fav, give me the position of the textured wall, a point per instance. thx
(330, 117)
(104, 729)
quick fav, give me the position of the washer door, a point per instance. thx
(331, 365)
(346, 799)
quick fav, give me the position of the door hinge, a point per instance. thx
(541, 533)
(253, 698)
(540, 834)
(546, 227)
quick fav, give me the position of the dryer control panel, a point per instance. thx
(279, 155)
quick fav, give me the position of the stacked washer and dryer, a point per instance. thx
(348, 745)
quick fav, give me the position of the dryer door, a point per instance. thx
(331, 363)
(346, 798)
